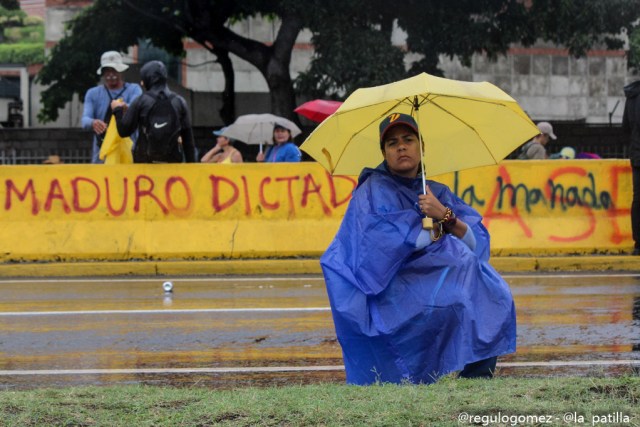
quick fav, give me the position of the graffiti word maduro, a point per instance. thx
(175, 194)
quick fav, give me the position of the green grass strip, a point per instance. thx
(502, 401)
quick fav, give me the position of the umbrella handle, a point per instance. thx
(427, 223)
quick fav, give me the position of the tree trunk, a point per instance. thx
(281, 89)
(272, 61)
(277, 71)
(228, 110)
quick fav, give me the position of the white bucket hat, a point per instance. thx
(112, 59)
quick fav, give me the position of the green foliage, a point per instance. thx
(353, 44)
(462, 28)
(352, 38)
(22, 37)
(353, 54)
(119, 24)
(24, 53)
(34, 21)
(11, 18)
(26, 34)
(10, 4)
(71, 67)
(584, 24)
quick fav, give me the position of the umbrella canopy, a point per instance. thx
(318, 109)
(258, 128)
(463, 125)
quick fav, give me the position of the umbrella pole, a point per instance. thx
(427, 223)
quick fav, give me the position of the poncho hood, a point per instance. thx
(153, 75)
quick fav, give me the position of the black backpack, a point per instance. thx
(162, 128)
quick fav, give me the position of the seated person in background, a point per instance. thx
(223, 152)
(535, 149)
(585, 155)
(53, 159)
(283, 148)
(565, 153)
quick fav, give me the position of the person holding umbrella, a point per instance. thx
(283, 148)
(411, 304)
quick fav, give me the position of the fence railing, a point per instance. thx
(16, 156)
(33, 146)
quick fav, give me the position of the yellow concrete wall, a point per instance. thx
(551, 206)
(199, 211)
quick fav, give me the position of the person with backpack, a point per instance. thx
(161, 117)
(97, 110)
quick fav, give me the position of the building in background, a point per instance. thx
(33, 7)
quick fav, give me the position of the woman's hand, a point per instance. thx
(211, 155)
(431, 206)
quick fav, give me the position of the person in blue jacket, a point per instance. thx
(97, 101)
(283, 148)
(409, 304)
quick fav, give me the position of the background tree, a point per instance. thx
(118, 24)
(352, 48)
(10, 16)
(355, 47)
(352, 38)
(21, 36)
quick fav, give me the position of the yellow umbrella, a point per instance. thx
(463, 125)
(115, 149)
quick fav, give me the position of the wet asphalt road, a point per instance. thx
(237, 331)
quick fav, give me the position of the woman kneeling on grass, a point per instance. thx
(411, 304)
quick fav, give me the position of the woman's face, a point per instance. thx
(402, 151)
(222, 140)
(281, 135)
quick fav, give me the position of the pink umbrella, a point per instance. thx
(318, 109)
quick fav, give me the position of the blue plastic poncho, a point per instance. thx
(407, 314)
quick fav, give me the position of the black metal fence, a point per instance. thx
(607, 141)
(33, 146)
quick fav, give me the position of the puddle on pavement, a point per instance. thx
(564, 318)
